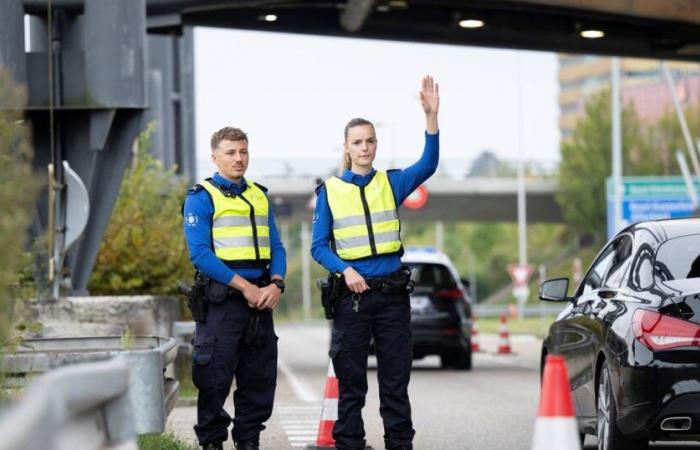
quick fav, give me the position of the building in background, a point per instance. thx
(642, 84)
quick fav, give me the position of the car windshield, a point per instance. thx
(434, 276)
(678, 259)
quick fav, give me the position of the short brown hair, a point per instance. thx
(229, 134)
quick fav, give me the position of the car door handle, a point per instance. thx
(606, 294)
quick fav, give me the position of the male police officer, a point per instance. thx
(235, 246)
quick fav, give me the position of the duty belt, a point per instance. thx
(394, 283)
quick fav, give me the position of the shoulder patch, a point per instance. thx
(264, 189)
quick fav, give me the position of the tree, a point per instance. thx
(143, 250)
(17, 193)
(586, 164)
(487, 164)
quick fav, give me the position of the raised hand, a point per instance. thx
(429, 95)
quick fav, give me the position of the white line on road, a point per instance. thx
(301, 389)
(507, 361)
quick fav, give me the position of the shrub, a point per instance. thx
(143, 250)
(17, 194)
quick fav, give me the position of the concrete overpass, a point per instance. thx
(470, 199)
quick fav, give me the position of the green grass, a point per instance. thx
(161, 442)
(188, 392)
(528, 325)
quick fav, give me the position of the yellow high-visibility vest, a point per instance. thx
(365, 220)
(240, 227)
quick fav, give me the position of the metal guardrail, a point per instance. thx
(182, 329)
(528, 311)
(85, 406)
(152, 396)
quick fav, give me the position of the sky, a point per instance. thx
(293, 95)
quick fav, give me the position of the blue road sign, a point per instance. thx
(650, 198)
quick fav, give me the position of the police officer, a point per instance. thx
(234, 244)
(356, 234)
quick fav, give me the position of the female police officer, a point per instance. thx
(356, 234)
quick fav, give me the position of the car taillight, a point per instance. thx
(661, 332)
(449, 293)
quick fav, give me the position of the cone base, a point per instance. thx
(556, 433)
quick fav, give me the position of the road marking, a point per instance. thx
(301, 389)
(300, 423)
(506, 361)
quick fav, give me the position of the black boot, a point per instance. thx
(213, 446)
(247, 445)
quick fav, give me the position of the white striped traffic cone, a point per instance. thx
(556, 428)
(475, 336)
(503, 338)
(329, 412)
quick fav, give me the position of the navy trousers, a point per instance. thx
(387, 319)
(220, 354)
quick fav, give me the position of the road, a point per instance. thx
(493, 406)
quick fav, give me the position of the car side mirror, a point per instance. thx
(465, 282)
(554, 290)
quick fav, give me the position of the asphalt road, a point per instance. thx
(493, 406)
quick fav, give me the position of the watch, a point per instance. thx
(279, 283)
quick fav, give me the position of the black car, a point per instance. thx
(631, 336)
(440, 310)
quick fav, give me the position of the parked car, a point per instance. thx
(630, 335)
(440, 309)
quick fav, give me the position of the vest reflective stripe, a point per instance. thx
(352, 221)
(240, 241)
(359, 241)
(365, 220)
(234, 230)
(236, 221)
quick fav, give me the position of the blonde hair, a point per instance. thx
(345, 161)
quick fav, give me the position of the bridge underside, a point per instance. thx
(470, 200)
(645, 28)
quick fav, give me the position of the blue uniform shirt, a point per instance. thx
(198, 212)
(403, 183)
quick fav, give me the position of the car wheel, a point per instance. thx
(460, 359)
(609, 436)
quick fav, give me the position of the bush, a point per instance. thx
(17, 194)
(143, 250)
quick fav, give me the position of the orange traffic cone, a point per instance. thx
(503, 338)
(329, 412)
(475, 336)
(555, 428)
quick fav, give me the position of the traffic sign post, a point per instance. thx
(520, 274)
(650, 198)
